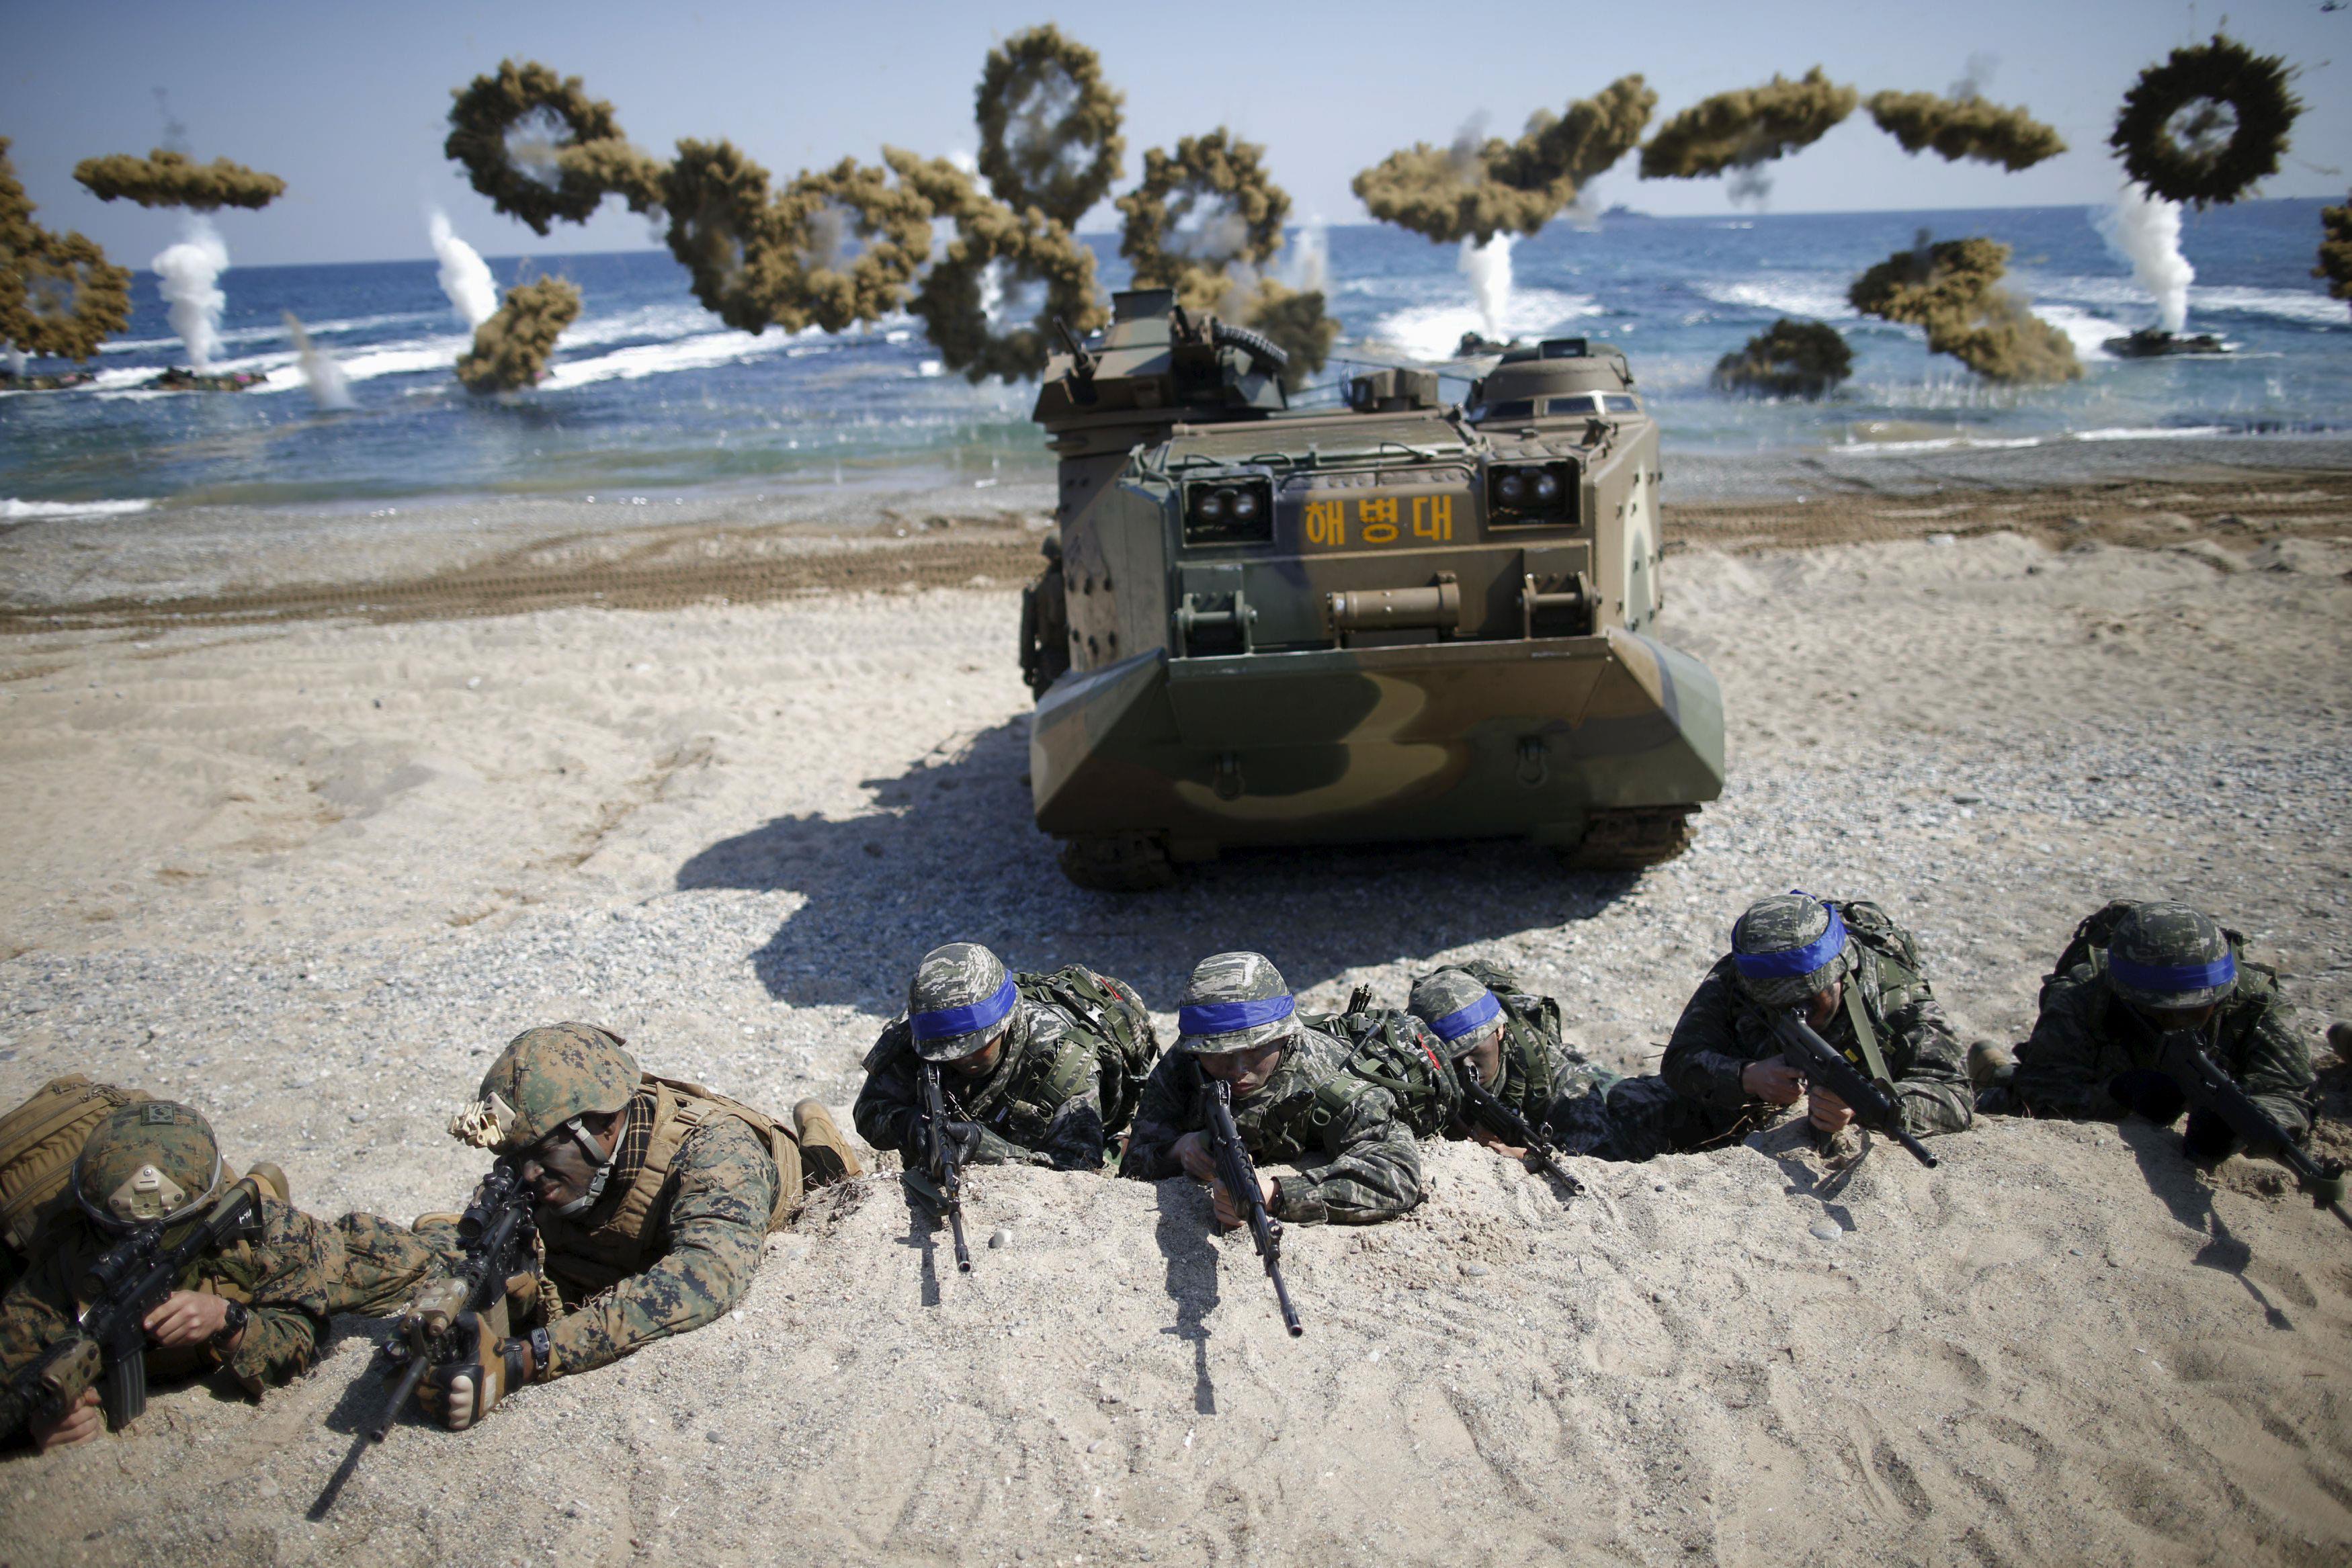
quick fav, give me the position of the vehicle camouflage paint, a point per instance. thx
(1390, 620)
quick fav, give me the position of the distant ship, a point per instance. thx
(1621, 212)
(2155, 343)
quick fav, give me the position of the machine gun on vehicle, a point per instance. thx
(1238, 1173)
(107, 1347)
(1872, 1101)
(946, 1156)
(498, 1230)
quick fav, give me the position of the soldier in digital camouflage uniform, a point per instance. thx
(1485, 1022)
(2146, 971)
(655, 1199)
(1856, 976)
(256, 1308)
(1293, 1099)
(1035, 1069)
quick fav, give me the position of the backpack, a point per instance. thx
(1396, 1052)
(1114, 1015)
(1540, 1014)
(39, 1141)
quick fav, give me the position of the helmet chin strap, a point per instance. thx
(600, 1157)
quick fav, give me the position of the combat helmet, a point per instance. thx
(2169, 957)
(1234, 1002)
(959, 1001)
(1458, 1010)
(1789, 946)
(148, 1161)
(545, 1079)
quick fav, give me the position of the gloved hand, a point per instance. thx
(2148, 1093)
(2208, 1137)
(459, 1392)
(964, 1138)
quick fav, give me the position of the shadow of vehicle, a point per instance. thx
(950, 853)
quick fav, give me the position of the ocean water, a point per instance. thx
(651, 395)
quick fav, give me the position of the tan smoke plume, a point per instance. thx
(2334, 249)
(59, 296)
(1961, 128)
(166, 179)
(1751, 126)
(1951, 287)
(1480, 187)
(510, 350)
(1789, 358)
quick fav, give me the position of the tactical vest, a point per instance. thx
(596, 1257)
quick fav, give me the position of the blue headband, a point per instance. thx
(1224, 1018)
(2164, 977)
(1478, 1015)
(986, 1013)
(1796, 961)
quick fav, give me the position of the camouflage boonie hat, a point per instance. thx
(1789, 946)
(1234, 1002)
(154, 1160)
(2168, 956)
(1458, 1010)
(543, 1079)
(959, 1001)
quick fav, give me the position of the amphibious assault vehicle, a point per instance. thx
(1390, 620)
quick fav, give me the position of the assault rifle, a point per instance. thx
(498, 1230)
(2212, 1088)
(108, 1347)
(947, 1158)
(1872, 1101)
(1488, 1112)
(1239, 1174)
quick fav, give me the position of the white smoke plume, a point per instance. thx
(14, 358)
(465, 277)
(2145, 230)
(320, 372)
(1308, 265)
(1488, 268)
(188, 274)
(1975, 77)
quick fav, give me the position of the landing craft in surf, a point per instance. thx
(2156, 343)
(1394, 621)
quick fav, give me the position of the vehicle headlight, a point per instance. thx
(1547, 488)
(1213, 506)
(1513, 489)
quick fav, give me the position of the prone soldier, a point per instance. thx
(254, 1301)
(1854, 977)
(2138, 984)
(1293, 1098)
(1038, 1070)
(654, 1199)
(1487, 1022)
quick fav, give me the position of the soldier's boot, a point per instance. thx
(1990, 1065)
(826, 1155)
(272, 1181)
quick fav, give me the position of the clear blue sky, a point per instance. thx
(348, 102)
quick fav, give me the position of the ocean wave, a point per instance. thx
(2087, 332)
(1999, 443)
(16, 511)
(264, 334)
(2309, 305)
(661, 358)
(1822, 298)
(1434, 331)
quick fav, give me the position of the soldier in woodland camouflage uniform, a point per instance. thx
(1484, 1020)
(1293, 1098)
(655, 1199)
(2135, 974)
(1035, 1069)
(256, 1308)
(1856, 978)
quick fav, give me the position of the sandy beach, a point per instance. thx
(307, 814)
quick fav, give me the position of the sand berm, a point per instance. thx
(302, 821)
